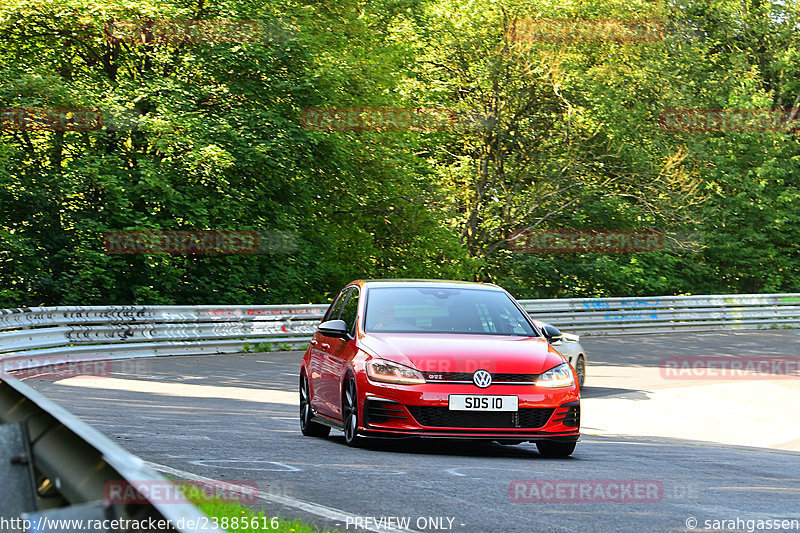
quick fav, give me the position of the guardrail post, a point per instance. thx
(54, 466)
(17, 489)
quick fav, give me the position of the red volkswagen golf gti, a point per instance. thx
(417, 358)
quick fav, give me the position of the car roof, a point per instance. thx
(427, 283)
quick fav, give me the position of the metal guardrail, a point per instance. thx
(59, 335)
(64, 334)
(56, 469)
(663, 314)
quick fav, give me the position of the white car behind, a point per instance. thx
(567, 345)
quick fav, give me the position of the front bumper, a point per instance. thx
(422, 411)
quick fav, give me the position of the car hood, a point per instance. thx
(464, 353)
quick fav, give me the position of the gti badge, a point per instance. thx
(482, 378)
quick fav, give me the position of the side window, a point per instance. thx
(350, 311)
(336, 307)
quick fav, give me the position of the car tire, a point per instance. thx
(580, 370)
(307, 426)
(554, 449)
(350, 413)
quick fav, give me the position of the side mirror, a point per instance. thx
(334, 328)
(552, 334)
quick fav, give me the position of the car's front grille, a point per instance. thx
(534, 418)
(444, 417)
(514, 378)
(433, 377)
(380, 411)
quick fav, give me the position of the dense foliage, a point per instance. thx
(208, 135)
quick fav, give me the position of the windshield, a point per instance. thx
(444, 310)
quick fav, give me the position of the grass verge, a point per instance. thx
(237, 518)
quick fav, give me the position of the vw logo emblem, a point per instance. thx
(482, 378)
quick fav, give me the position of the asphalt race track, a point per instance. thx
(234, 418)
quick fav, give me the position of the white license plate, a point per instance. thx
(482, 402)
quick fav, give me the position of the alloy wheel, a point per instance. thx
(350, 412)
(308, 427)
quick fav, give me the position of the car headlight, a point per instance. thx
(560, 376)
(389, 372)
